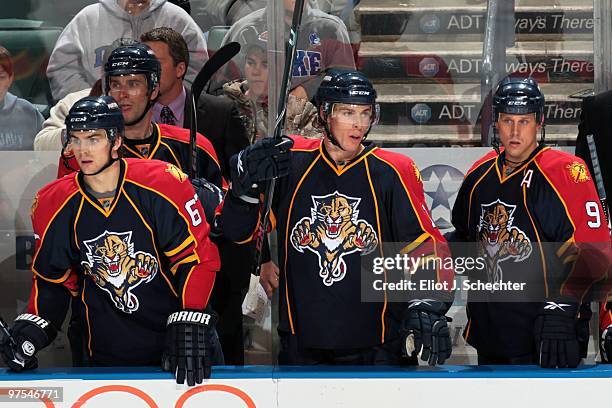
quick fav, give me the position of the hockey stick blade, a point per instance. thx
(219, 58)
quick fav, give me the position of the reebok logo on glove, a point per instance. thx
(42, 323)
(189, 317)
(556, 306)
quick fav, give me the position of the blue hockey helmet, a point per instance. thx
(518, 96)
(137, 58)
(96, 112)
(351, 87)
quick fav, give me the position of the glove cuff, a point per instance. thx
(197, 317)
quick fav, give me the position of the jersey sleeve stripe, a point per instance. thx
(566, 245)
(186, 260)
(179, 248)
(416, 243)
(570, 258)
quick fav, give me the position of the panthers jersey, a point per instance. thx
(169, 144)
(329, 220)
(145, 256)
(542, 225)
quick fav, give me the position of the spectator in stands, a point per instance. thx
(19, 119)
(251, 96)
(323, 42)
(77, 59)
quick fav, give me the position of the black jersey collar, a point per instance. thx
(369, 146)
(154, 141)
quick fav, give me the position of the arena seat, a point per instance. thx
(30, 43)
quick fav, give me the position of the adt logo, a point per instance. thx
(420, 113)
(428, 67)
(441, 184)
(430, 23)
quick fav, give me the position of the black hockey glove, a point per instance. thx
(189, 345)
(265, 160)
(605, 345)
(210, 197)
(29, 334)
(425, 331)
(555, 335)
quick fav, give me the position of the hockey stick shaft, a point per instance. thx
(279, 124)
(219, 58)
(601, 190)
(5, 329)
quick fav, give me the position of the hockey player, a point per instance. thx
(131, 77)
(128, 236)
(340, 199)
(536, 218)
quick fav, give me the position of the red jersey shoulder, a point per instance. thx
(563, 168)
(302, 143)
(162, 177)
(182, 135)
(492, 155)
(403, 165)
(51, 198)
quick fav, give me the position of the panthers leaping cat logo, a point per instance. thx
(116, 268)
(332, 231)
(499, 239)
